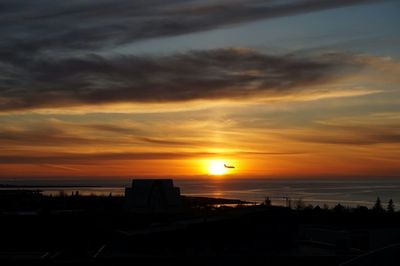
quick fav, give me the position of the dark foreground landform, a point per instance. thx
(97, 230)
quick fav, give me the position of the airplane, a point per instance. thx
(229, 166)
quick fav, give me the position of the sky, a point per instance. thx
(177, 88)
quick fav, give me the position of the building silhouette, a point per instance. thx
(152, 195)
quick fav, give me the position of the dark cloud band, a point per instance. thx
(213, 74)
(48, 52)
(36, 26)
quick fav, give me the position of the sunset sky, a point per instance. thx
(167, 88)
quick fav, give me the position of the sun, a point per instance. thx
(216, 167)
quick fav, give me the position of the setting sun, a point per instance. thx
(217, 167)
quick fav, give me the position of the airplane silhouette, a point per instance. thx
(228, 166)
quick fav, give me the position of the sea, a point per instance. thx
(348, 192)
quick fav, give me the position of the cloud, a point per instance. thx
(41, 137)
(50, 53)
(196, 75)
(112, 128)
(76, 135)
(354, 139)
(32, 27)
(368, 130)
(95, 158)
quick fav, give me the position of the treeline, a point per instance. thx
(299, 204)
(35, 201)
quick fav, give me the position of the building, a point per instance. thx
(152, 195)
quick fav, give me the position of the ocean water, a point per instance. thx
(330, 192)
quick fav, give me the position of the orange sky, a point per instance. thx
(295, 94)
(297, 138)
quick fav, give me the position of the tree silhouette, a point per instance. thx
(299, 204)
(267, 201)
(378, 205)
(317, 208)
(339, 208)
(390, 206)
(361, 209)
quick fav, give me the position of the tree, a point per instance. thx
(390, 206)
(267, 202)
(339, 208)
(378, 205)
(361, 209)
(299, 204)
(317, 208)
(309, 207)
